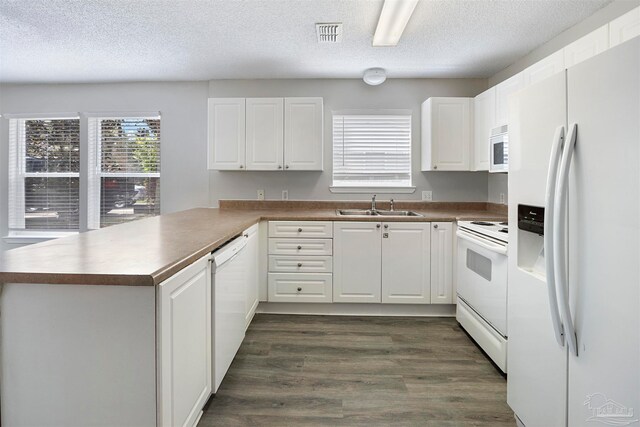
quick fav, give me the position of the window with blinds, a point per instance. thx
(44, 174)
(125, 160)
(371, 150)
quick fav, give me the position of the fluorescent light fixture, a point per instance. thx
(393, 19)
(374, 76)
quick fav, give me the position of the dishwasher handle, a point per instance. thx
(229, 251)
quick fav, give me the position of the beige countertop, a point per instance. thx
(148, 251)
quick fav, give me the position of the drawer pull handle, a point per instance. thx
(299, 230)
(299, 264)
(377, 225)
(386, 226)
(299, 289)
(299, 247)
(435, 226)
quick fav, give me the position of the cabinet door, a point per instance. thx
(584, 48)
(442, 263)
(405, 263)
(184, 359)
(625, 27)
(503, 91)
(484, 117)
(544, 68)
(265, 133)
(303, 124)
(252, 253)
(356, 262)
(226, 136)
(446, 133)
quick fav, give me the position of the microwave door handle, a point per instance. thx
(552, 175)
(560, 241)
(502, 250)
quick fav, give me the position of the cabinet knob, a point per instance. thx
(377, 225)
(386, 226)
(299, 230)
(241, 166)
(279, 166)
(299, 264)
(287, 167)
(435, 226)
(299, 247)
(299, 289)
(435, 167)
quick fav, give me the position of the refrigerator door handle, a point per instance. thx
(559, 240)
(552, 175)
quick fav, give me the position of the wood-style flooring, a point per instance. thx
(359, 371)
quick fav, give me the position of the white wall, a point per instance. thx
(601, 17)
(182, 106)
(344, 94)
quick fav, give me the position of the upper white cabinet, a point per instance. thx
(406, 275)
(446, 133)
(442, 263)
(625, 27)
(356, 261)
(226, 133)
(264, 133)
(503, 91)
(586, 47)
(303, 124)
(484, 116)
(184, 344)
(544, 68)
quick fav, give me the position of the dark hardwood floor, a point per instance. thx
(359, 371)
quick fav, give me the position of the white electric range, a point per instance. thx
(482, 285)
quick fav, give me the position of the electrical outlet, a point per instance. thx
(502, 198)
(260, 194)
(285, 194)
(427, 196)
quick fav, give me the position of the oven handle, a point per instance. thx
(493, 247)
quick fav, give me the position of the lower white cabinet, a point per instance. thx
(406, 270)
(251, 252)
(356, 262)
(442, 263)
(293, 287)
(184, 341)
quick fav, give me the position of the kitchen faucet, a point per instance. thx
(373, 203)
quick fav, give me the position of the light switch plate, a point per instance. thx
(285, 194)
(427, 196)
(260, 194)
(502, 198)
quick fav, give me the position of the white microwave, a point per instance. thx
(499, 150)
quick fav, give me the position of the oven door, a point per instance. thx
(482, 277)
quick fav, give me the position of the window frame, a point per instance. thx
(389, 189)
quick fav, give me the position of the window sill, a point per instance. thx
(28, 237)
(369, 190)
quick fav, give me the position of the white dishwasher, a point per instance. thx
(229, 282)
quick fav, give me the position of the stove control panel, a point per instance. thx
(531, 218)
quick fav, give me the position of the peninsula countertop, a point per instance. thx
(148, 251)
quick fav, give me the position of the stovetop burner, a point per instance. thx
(481, 223)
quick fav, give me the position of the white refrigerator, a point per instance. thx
(574, 291)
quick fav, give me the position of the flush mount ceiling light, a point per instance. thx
(393, 19)
(374, 76)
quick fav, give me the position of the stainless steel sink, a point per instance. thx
(398, 213)
(370, 212)
(357, 212)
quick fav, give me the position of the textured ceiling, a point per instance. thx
(140, 40)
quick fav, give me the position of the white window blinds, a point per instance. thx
(44, 174)
(371, 150)
(125, 160)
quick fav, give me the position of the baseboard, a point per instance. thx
(340, 309)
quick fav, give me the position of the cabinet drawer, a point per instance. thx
(300, 246)
(306, 229)
(300, 287)
(300, 264)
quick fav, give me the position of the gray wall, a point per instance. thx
(344, 94)
(497, 184)
(184, 126)
(597, 20)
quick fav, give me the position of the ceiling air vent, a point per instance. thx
(329, 33)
